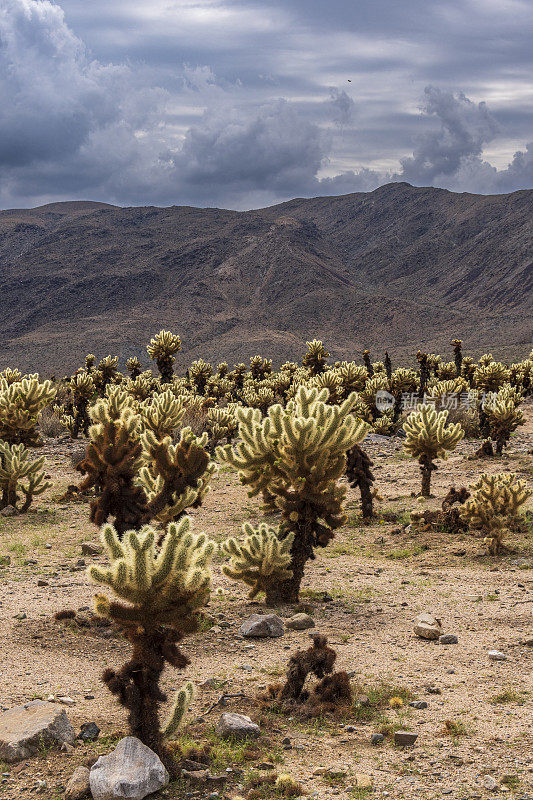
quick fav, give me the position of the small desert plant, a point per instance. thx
(427, 438)
(494, 507)
(259, 559)
(315, 357)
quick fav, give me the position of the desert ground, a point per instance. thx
(363, 592)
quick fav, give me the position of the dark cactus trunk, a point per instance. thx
(426, 468)
(288, 591)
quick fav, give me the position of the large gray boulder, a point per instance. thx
(132, 771)
(262, 626)
(25, 728)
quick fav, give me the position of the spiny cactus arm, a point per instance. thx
(182, 701)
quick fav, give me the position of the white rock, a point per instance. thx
(495, 655)
(490, 783)
(131, 772)
(23, 729)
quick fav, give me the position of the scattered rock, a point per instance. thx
(66, 701)
(131, 771)
(448, 638)
(8, 511)
(405, 738)
(419, 704)
(78, 786)
(529, 642)
(377, 738)
(42, 582)
(262, 626)
(67, 748)
(363, 781)
(300, 622)
(89, 732)
(427, 627)
(495, 655)
(91, 549)
(23, 729)
(237, 726)
(490, 783)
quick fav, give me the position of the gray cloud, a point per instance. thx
(228, 103)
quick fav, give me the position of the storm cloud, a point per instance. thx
(241, 104)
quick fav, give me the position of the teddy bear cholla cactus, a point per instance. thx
(295, 457)
(164, 590)
(19, 474)
(429, 437)
(494, 506)
(141, 475)
(21, 402)
(162, 349)
(260, 559)
(502, 416)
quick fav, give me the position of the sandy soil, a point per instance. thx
(378, 578)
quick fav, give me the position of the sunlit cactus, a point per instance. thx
(259, 559)
(315, 357)
(260, 367)
(134, 367)
(161, 592)
(502, 415)
(162, 413)
(174, 477)
(21, 402)
(20, 475)
(295, 457)
(429, 437)
(494, 507)
(490, 376)
(162, 349)
(83, 390)
(199, 373)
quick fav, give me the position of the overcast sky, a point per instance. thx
(244, 103)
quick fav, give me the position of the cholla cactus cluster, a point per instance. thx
(165, 589)
(21, 402)
(132, 460)
(429, 437)
(494, 506)
(20, 475)
(295, 457)
(260, 559)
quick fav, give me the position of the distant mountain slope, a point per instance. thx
(400, 267)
